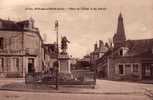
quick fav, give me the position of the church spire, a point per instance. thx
(120, 37)
(120, 27)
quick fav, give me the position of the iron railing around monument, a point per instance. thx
(76, 77)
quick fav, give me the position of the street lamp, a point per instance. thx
(56, 29)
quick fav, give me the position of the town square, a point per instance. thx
(75, 51)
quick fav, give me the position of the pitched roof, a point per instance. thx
(138, 47)
(18, 26)
(13, 25)
(7, 24)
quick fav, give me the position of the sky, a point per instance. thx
(83, 28)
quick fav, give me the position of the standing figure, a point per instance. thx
(64, 45)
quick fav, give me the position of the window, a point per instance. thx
(31, 68)
(121, 69)
(147, 70)
(1, 43)
(127, 68)
(17, 64)
(1, 65)
(14, 65)
(121, 52)
(0, 24)
(135, 67)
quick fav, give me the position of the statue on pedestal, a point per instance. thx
(64, 45)
(64, 59)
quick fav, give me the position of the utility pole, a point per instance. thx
(57, 66)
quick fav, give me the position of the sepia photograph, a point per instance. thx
(76, 50)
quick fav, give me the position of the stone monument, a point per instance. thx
(64, 58)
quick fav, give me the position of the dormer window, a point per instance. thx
(121, 52)
(28, 24)
(31, 23)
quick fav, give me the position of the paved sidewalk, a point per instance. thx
(102, 87)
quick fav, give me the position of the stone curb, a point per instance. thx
(74, 92)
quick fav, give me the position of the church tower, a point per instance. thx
(119, 38)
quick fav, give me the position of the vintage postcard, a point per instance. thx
(76, 49)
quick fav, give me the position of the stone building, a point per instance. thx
(99, 51)
(129, 59)
(21, 49)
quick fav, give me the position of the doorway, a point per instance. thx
(147, 71)
(31, 68)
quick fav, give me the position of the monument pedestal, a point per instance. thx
(64, 63)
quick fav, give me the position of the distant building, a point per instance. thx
(86, 58)
(50, 56)
(89, 60)
(21, 49)
(99, 51)
(129, 59)
(74, 60)
(73, 63)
